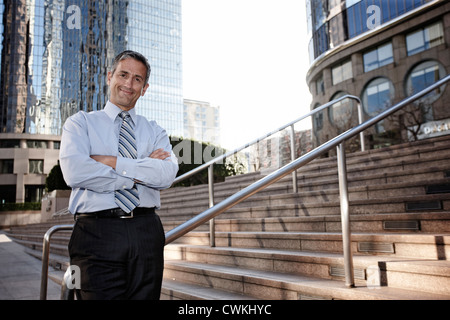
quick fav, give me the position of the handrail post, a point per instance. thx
(345, 216)
(212, 223)
(46, 257)
(45, 263)
(293, 157)
(361, 120)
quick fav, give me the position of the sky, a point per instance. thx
(250, 57)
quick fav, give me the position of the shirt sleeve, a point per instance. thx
(79, 169)
(154, 173)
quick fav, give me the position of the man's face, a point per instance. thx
(127, 83)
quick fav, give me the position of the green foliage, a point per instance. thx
(20, 206)
(55, 180)
(200, 153)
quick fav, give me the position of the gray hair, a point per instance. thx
(134, 55)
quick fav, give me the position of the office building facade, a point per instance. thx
(201, 121)
(55, 55)
(382, 52)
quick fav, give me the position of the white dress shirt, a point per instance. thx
(93, 183)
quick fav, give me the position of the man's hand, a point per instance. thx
(111, 160)
(160, 154)
(108, 160)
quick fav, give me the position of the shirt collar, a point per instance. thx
(113, 111)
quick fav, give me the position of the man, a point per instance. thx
(116, 162)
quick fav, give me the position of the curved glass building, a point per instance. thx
(55, 55)
(381, 51)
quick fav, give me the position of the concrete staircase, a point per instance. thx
(279, 245)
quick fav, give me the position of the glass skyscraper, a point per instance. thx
(55, 55)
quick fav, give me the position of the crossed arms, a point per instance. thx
(112, 160)
(106, 173)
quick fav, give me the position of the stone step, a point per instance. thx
(174, 290)
(57, 249)
(380, 186)
(425, 149)
(363, 163)
(326, 265)
(36, 239)
(427, 222)
(396, 172)
(421, 246)
(306, 233)
(328, 191)
(295, 205)
(171, 290)
(58, 264)
(282, 286)
(393, 271)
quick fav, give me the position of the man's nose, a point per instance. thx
(129, 82)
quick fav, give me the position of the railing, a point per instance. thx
(210, 164)
(215, 210)
(46, 257)
(337, 142)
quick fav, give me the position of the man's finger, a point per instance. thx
(160, 154)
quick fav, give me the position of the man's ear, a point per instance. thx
(109, 77)
(144, 89)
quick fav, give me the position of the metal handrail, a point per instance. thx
(210, 164)
(336, 142)
(290, 124)
(46, 256)
(245, 193)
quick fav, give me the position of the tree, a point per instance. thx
(192, 154)
(55, 180)
(411, 119)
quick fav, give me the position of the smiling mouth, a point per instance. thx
(127, 92)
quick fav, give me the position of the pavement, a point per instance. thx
(20, 273)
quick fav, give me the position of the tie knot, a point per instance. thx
(124, 114)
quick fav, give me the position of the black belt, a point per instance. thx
(116, 213)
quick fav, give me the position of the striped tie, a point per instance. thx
(127, 199)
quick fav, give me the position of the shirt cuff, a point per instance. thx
(126, 169)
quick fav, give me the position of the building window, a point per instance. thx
(421, 77)
(39, 144)
(342, 72)
(377, 96)
(7, 144)
(379, 57)
(320, 86)
(36, 166)
(7, 166)
(33, 193)
(318, 119)
(341, 112)
(426, 38)
(7, 194)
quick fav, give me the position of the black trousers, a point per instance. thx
(118, 258)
